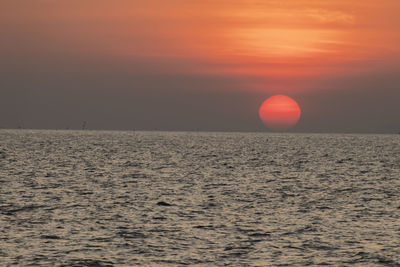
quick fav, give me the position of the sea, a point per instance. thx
(114, 198)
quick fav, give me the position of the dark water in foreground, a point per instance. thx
(71, 198)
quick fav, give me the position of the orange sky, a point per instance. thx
(66, 51)
(279, 40)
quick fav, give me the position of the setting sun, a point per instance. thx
(211, 132)
(280, 113)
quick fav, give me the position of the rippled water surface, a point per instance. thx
(91, 198)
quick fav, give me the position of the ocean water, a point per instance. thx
(93, 198)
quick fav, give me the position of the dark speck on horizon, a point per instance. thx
(199, 133)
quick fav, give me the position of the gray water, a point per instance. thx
(92, 198)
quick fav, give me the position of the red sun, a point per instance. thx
(280, 112)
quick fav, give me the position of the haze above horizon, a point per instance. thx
(189, 65)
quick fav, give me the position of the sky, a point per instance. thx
(199, 65)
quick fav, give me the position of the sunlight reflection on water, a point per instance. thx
(92, 198)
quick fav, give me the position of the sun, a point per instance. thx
(280, 113)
